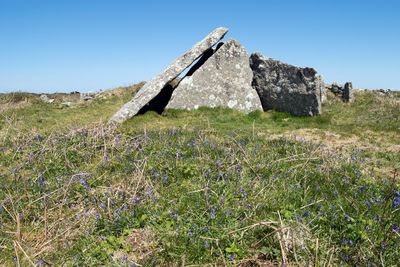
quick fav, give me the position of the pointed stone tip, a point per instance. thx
(221, 30)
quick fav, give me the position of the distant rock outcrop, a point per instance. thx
(223, 80)
(286, 88)
(46, 99)
(152, 88)
(345, 93)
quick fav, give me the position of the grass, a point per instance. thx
(207, 187)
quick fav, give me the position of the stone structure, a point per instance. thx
(348, 92)
(225, 77)
(87, 96)
(46, 99)
(222, 79)
(345, 93)
(153, 88)
(286, 88)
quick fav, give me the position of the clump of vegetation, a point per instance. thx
(194, 188)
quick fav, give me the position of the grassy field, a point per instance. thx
(208, 187)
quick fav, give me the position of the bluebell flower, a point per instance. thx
(212, 213)
(118, 212)
(148, 192)
(136, 200)
(231, 257)
(40, 262)
(124, 259)
(347, 218)
(396, 200)
(41, 182)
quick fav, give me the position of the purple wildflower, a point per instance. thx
(212, 213)
(85, 184)
(124, 259)
(396, 200)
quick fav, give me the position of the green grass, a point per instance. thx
(207, 187)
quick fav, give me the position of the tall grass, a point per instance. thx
(98, 197)
(207, 187)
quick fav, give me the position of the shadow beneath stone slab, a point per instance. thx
(200, 62)
(159, 102)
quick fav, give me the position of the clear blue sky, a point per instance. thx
(66, 45)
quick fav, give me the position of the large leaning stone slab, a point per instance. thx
(287, 88)
(224, 80)
(152, 88)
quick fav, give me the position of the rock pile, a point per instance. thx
(46, 99)
(223, 75)
(345, 93)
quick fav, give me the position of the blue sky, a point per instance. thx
(84, 45)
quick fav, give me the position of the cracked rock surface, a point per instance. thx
(224, 80)
(285, 87)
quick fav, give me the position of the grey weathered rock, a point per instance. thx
(324, 96)
(46, 99)
(152, 88)
(87, 96)
(223, 80)
(344, 93)
(286, 88)
(66, 104)
(347, 95)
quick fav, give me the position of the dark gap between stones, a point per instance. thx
(160, 101)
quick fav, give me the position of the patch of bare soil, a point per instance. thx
(139, 246)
